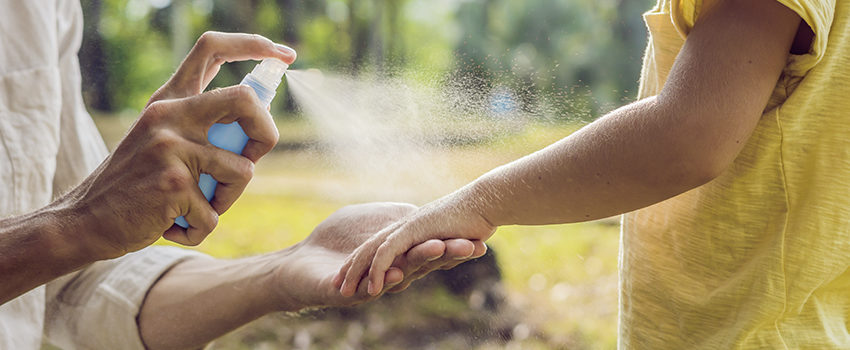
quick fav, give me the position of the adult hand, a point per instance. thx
(211, 51)
(443, 219)
(134, 196)
(204, 61)
(306, 277)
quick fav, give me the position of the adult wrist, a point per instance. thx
(81, 231)
(290, 291)
(278, 284)
(74, 233)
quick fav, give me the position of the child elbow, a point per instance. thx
(701, 170)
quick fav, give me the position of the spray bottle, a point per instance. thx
(264, 79)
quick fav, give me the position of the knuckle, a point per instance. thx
(191, 241)
(244, 96)
(383, 249)
(205, 36)
(245, 169)
(264, 42)
(173, 179)
(201, 228)
(200, 232)
(163, 141)
(208, 224)
(206, 39)
(275, 136)
(403, 209)
(218, 93)
(154, 113)
(259, 38)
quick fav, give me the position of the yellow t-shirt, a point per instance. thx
(757, 258)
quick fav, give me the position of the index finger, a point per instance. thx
(214, 49)
(197, 114)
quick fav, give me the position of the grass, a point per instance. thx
(561, 280)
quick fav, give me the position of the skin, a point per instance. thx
(635, 156)
(132, 198)
(199, 300)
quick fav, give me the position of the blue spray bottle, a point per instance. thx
(264, 79)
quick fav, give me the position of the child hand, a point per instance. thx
(442, 219)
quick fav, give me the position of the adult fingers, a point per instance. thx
(214, 49)
(459, 249)
(393, 277)
(479, 249)
(202, 220)
(231, 171)
(414, 263)
(254, 149)
(456, 251)
(422, 254)
(238, 103)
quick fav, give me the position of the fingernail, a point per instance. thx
(369, 288)
(463, 257)
(285, 49)
(433, 258)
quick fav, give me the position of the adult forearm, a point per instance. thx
(201, 299)
(38, 247)
(629, 159)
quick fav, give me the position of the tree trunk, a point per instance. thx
(93, 59)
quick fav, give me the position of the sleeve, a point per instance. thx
(96, 308)
(818, 14)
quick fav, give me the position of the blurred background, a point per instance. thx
(561, 64)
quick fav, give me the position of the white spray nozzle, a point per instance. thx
(265, 78)
(269, 72)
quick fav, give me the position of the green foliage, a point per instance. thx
(581, 57)
(138, 57)
(584, 54)
(324, 44)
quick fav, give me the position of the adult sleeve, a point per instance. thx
(97, 307)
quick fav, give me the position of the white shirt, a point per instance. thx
(48, 144)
